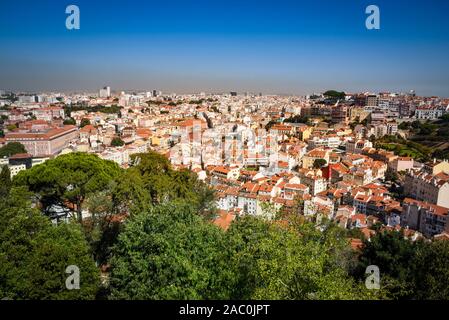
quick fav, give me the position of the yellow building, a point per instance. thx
(155, 141)
(359, 114)
(304, 132)
(310, 157)
(443, 166)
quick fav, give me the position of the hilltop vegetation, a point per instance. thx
(334, 94)
(114, 109)
(12, 148)
(431, 136)
(404, 148)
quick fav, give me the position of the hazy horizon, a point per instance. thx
(281, 47)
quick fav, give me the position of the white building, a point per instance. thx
(105, 92)
(432, 188)
(356, 146)
(15, 169)
(428, 113)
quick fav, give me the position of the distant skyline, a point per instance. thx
(273, 47)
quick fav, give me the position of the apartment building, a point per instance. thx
(401, 164)
(340, 114)
(429, 219)
(429, 113)
(315, 183)
(327, 141)
(356, 146)
(310, 157)
(428, 187)
(47, 142)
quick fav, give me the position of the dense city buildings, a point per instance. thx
(431, 187)
(254, 150)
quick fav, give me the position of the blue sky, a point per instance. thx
(295, 47)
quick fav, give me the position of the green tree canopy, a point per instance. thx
(334, 94)
(409, 270)
(393, 255)
(129, 193)
(445, 117)
(12, 148)
(173, 253)
(319, 163)
(430, 271)
(277, 262)
(169, 253)
(84, 122)
(117, 142)
(5, 181)
(298, 119)
(11, 127)
(34, 254)
(68, 179)
(165, 184)
(69, 121)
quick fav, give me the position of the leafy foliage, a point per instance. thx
(334, 94)
(431, 275)
(117, 142)
(98, 108)
(34, 254)
(409, 270)
(5, 181)
(12, 148)
(129, 193)
(299, 262)
(404, 148)
(298, 119)
(84, 122)
(67, 180)
(167, 248)
(165, 184)
(69, 121)
(319, 163)
(431, 136)
(11, 127)
(391, 253)
(172, 253)
(169, 253)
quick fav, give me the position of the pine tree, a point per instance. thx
(5, 181)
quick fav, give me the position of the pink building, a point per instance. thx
(401, 164)
(48, 142)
